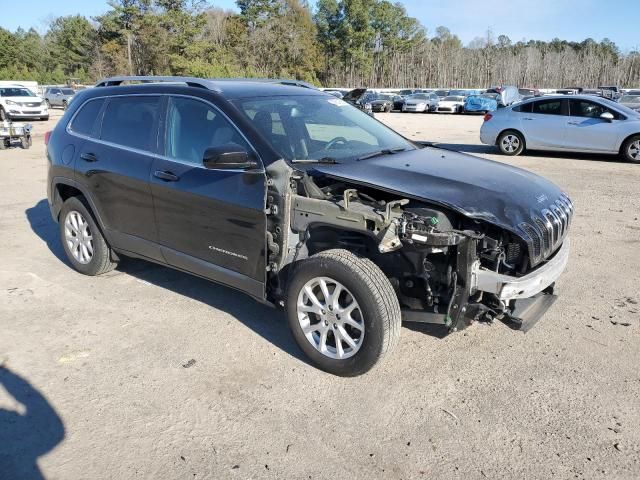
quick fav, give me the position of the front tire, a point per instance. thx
(343, 312)
(83, 242)
(511, 143)
(631, 149)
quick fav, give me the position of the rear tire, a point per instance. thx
(83, 242)
(372, 325)
(631, 149)
(511, 143)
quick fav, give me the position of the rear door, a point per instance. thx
(545, 126)
(587, 131)
(115, 169)
(210, 222)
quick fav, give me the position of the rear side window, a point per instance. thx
(130, 122)
(524, 108)
(548, 107)
(85, 120)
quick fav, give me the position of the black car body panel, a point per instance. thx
(480, 189)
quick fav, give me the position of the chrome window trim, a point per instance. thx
(160, 156)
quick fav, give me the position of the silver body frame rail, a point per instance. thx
(511, 288)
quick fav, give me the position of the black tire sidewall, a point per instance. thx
(100, 247)
(520, 148)
(370, 351)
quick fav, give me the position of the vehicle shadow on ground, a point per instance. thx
(26, 436)
(268, 322)
(39, 217)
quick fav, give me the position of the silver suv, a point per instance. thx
(58, 96)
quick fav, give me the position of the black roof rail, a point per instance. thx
(190, 81)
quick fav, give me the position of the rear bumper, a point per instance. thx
(488, 137)
(508, 288)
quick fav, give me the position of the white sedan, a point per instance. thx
(580, 123)
(451, 104)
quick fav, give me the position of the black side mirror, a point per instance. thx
(228, 157)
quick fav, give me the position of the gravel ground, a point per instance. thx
(151, 373)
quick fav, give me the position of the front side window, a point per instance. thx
(130, 121)
(316, 127)
(193, 126)
(548, 107)
(585, 108)
(85, 120)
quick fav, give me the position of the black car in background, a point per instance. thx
(358, 98)
(304, 203)
(381, 102)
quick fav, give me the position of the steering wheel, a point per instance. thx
(335, 141)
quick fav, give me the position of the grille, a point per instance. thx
(548, 229)
(31, 104)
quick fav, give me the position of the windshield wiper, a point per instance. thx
(384, 151)
(330, 160)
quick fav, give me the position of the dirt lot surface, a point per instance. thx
(151, 373)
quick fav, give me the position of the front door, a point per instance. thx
(210, 222)
(587, 131)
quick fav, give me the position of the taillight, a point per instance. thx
(47, 136)
(487, 117)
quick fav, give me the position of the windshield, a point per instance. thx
(317, 127)
(405, 92)
(630, 99)
(16, 92)
(453, 99)
(419, 96)
(67, 91)
(621, 108)
(381, 96)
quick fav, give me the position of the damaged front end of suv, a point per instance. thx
(447, 266)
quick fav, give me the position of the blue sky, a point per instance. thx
(519, 19)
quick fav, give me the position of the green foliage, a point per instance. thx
(345, 42)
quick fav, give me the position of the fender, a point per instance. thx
(56, 202)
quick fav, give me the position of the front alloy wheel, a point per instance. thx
(343, 312)
(330, 318)
(631, 149)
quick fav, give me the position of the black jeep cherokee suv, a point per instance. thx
(304, 202)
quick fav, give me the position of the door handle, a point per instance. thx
(573, 123)
(528, 118)
(89, 157)
(166, 176)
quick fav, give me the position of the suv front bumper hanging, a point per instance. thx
(511, 288)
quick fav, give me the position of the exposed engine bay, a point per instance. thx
(431, 256)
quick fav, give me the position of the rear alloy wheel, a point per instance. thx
(83, 242)
(511, 143)
(631, 149)
(343, 312)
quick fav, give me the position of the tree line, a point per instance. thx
(372, 43)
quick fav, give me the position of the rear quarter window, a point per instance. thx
(84, 121)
